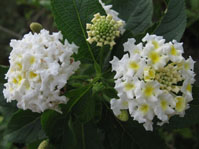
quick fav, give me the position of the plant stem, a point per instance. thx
(9, 32)
(101, 56)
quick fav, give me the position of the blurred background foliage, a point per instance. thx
(16, 15)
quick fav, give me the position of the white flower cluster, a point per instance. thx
(114, 14)
(40, 66)
(153, 79)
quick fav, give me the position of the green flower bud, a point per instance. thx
(123, 116)
(169, 78)
(103, 30)
(1, 119)
(36, 27)
(43, 145)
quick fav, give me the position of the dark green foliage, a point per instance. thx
(173, 24)
(58, 129)
(86, 121)
(24, 127)
(136, 14)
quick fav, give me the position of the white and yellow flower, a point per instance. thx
(40, 66)
(154, 57)
(147, 91)
(166, 103)
(155, 41)
(175, 51)
(126, 87)
(131, 47)
(155, 79)
(119, 104)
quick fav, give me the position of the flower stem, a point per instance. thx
(101, 56)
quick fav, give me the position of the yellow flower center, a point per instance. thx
(164, 104)
(155, 44)
(180, 105)
(144, 108)
(148, 91)
(186, 66)
(189, 88)
(149, 74)
(155, 57)
(173, 51)
(32, 60)
(129, 86)
(17, 80)
(32, 75)
(19, 66)
(134, 65)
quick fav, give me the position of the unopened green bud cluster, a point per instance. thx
(103, 30)
(169, 77)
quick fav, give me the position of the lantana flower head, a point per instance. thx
(103, 30)
(109, 11)
(40, 65)
(153, 80)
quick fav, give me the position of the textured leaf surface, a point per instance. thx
(24, 127)
(57, 128)
(85, 108)
(128, 134)
(173, 23)
(75, 95)
(71, 17)
(136, 13)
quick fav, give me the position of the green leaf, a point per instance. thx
(151, 139)
(97, 68)
(6, 109)
(173, 23)
(136, 13)
(93, 137)
(128, 134)
(71, 17)
(190, 118)
(84, 110)
(88, 136)
(58, 129)
(194, 4)
(74, 96)
(24, 127)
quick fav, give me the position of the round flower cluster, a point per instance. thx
(114, 14)
(103, 30)
(153, 79)
(40, 66)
